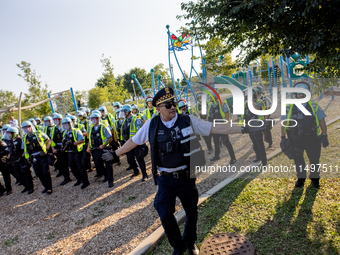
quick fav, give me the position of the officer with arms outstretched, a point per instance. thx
(173, 142)
(35, 145)
(308, 135)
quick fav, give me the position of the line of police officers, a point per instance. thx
(68, 143)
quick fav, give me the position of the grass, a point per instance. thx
(11, 242)
(97, 210)
(80, 222)
(130, 199)
(51, 236)
(274, 215)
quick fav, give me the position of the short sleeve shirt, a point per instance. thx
(200, 127)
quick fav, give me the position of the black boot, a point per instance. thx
(300, 182)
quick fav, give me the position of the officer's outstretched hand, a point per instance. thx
(324, 140)
(110, 155)
(255, 127)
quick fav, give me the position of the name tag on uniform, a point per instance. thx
(161, 132)
(34, 138)
(70, 135)
(186, 131)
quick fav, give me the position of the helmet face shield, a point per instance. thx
(66, 126)
(8, 136)
(95, 120)
(121, 114)
(56, 122)
(48, 123)
(27, 130)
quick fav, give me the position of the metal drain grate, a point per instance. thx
(227, 244)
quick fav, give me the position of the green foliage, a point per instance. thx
(36, 92)
(97, 96)
(272, 27)
(11, 242)
(145, 79)
(7, 98)
(212, 50)
(107, 89)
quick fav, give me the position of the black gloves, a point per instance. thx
(110, 155)
(324, 140)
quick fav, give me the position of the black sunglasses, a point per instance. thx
(169, 105)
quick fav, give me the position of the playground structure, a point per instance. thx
(53, 97)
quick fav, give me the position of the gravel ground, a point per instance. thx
(99, 220)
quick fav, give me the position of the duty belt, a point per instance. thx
(175, 174)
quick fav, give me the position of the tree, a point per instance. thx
(7, 98)
(115, 90)
(36, 92)
(143, 77)
(213, 59)
(273, 27)
(98, 96)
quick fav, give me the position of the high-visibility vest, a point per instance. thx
(40, 141)
(313, 111)
(102, 135)
(74, 133)
(133, 130)
(147, 113)
(221, 111)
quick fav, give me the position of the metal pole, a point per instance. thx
(282, 77)
(153, 82)
(270, 82)
(274, 75)
(134, 92)
(74, 99)
(49, 96)
(19, 113)
(289, 77)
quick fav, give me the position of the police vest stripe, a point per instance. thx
(188, 139)
(191, 152)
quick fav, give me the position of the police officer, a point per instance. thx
(56, 144)
(175, 150)
(183, 108)
(215, 112)
(267, 133)
(198, 111)
(256, 137)
(47, 129)
(135, 111)
(21, 167)
(106, 117)
(7, 168)
(116, 106)
(73, 142)
(4, 129)
(149, 110)
(99, 138)
(35, 145)
(39, 125)
(32, 120)
(84, 124)
(130, 127)
(3, 155)
(308, 135)
(117, 127)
